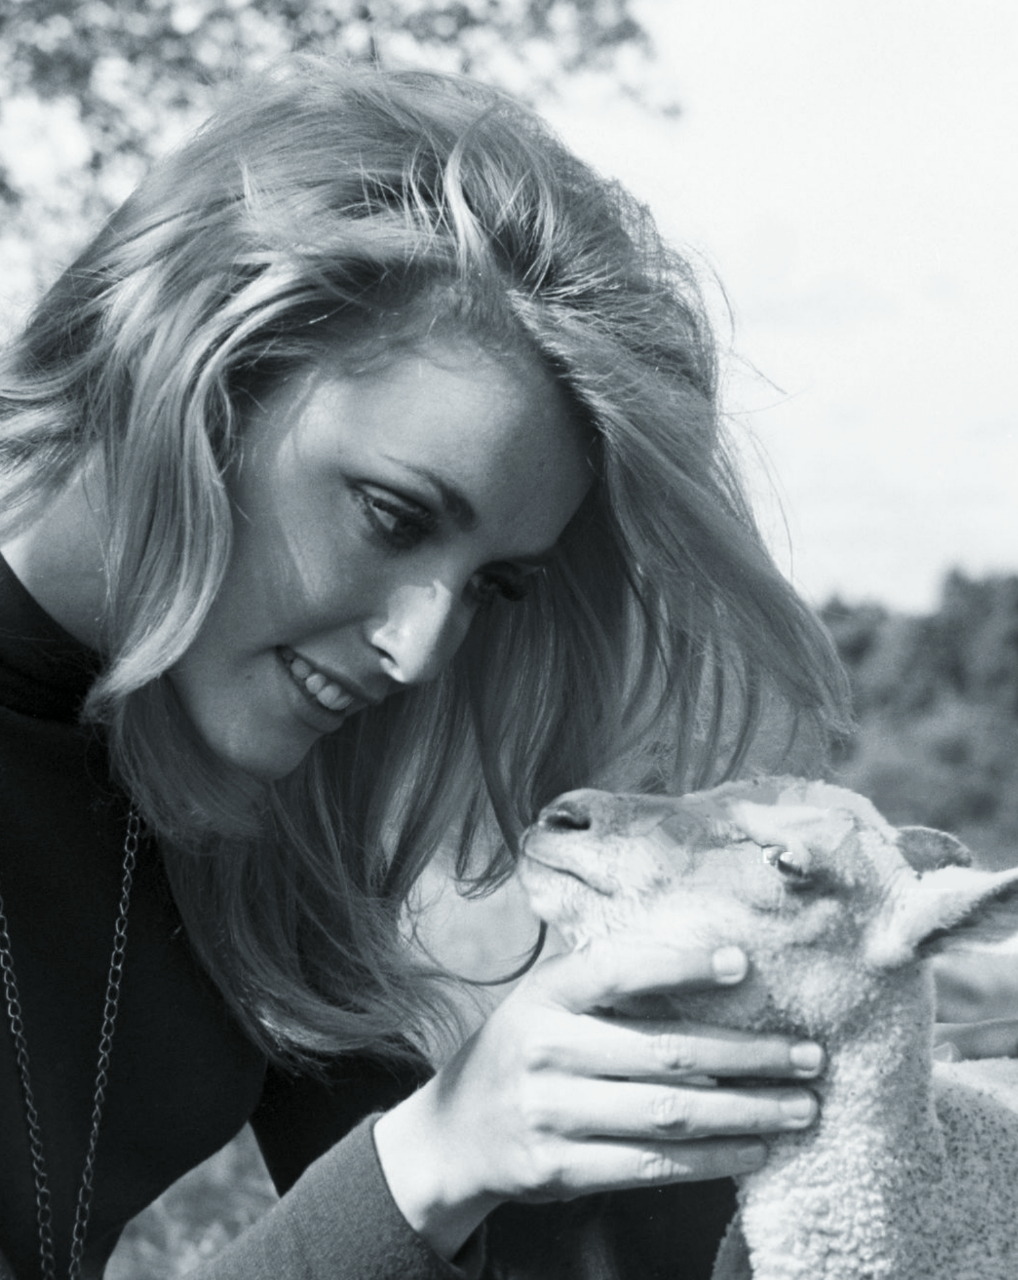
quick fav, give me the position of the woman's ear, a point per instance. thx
(949, 906)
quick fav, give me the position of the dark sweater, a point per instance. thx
(184, 1077)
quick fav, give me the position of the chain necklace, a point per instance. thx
(111, 1004)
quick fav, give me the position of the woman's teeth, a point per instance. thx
(321, 688)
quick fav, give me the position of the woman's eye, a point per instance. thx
(399, 524)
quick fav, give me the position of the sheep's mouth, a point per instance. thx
(540, 859)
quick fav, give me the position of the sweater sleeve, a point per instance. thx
(336, 1219)
(337, 1222)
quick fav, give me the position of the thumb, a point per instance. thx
(603, 971)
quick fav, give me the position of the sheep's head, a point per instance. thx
(824, 895)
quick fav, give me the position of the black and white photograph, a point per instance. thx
(508, 640)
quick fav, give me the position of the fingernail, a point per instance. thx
(752, 1155)
(730, 964)
(799, 1109)
(806, 1058)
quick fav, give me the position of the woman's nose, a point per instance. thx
(422, 628)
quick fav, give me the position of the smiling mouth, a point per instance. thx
(320, 688)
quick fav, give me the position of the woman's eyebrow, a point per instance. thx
(455, 504)
(457, 507)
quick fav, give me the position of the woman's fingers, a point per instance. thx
(559, 1093)
(976, 986)
(580, 1109)
(640, 1049)
(997, 1038)
(603, 972)
(600, 1165)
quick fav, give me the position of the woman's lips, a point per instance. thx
(322, 689)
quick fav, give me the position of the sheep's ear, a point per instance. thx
(949, 907)
(927, 850)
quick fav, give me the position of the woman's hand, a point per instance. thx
(977, 1004)
(549, 1100)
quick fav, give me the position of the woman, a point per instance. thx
(363, 491)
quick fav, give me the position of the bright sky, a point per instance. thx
(851, 172)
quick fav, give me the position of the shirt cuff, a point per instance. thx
(350, 1210)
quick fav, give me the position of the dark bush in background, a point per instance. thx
(937, 705)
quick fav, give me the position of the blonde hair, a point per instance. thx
(326, 208)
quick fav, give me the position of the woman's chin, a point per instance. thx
(270, 772)
(262, 756)
(268, 768)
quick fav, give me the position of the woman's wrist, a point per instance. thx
(430, 1189)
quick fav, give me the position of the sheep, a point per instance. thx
(911, 1172)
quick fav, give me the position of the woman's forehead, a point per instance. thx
(491, 439)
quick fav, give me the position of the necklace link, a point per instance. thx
(15, 1020)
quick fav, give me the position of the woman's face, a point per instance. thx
(374, 514)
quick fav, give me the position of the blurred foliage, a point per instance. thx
(94, 89)
(937, 703)
(197, 1216)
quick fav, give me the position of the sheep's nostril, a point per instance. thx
(565, 815)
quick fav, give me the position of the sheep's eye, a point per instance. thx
(788, 863)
